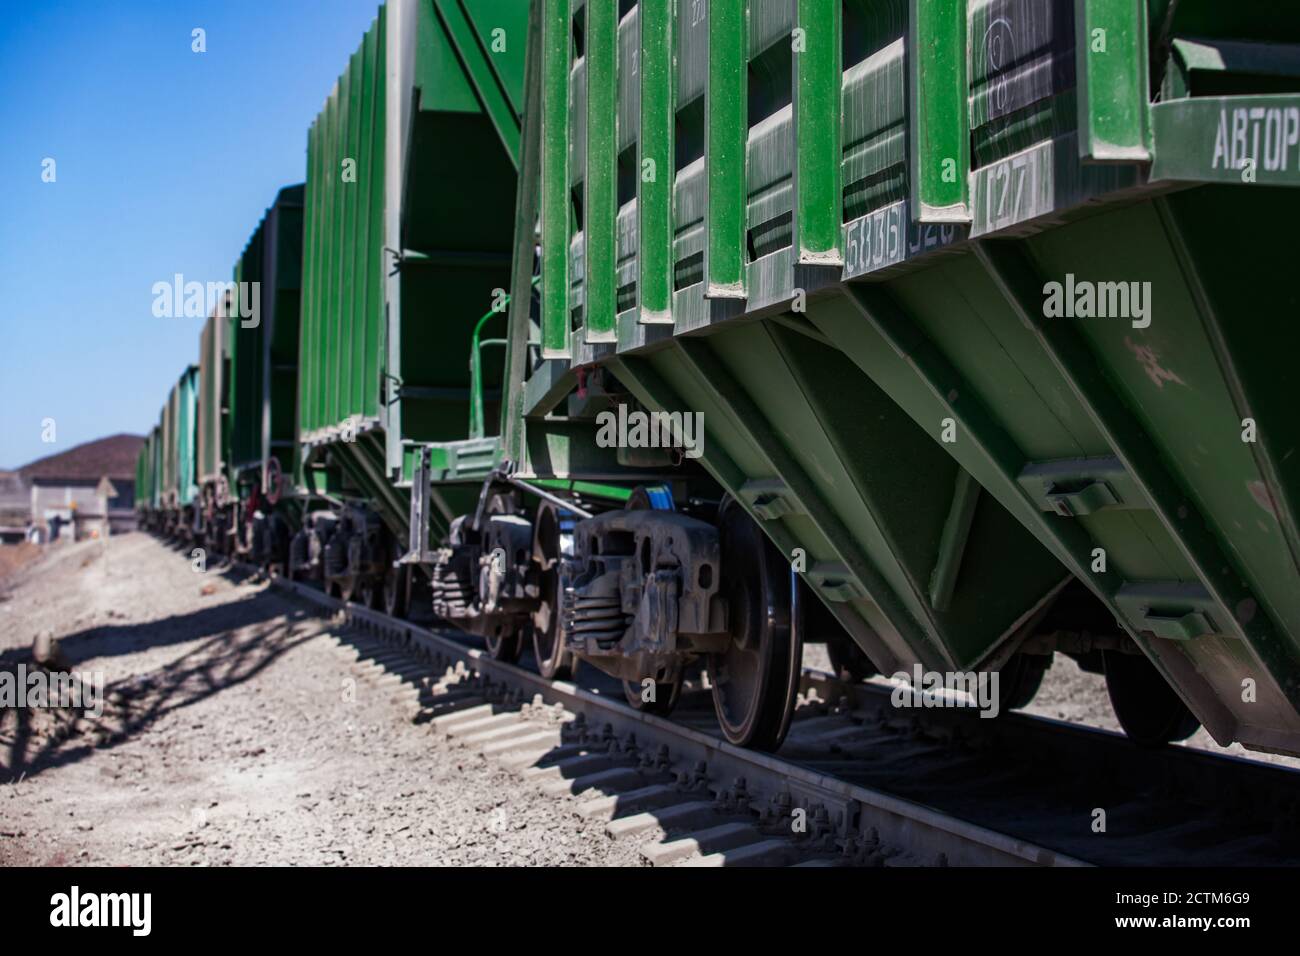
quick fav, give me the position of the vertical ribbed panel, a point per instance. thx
(817, 102)
(247, 354)
(342, 280)
(600, 185)
(725, 136)
(939, 127)
(169, 448)
(1111, 59)
(555, 179)
(186, 434)
(332, 260)
(155, 484)
(351, 276)
(655, 164)
(210, 401)
(307, 366)
(371, 228)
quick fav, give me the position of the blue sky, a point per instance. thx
(166, 160)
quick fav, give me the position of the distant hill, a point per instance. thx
(113, 456)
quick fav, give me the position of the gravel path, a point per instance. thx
(243, 735)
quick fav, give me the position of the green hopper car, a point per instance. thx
(247, 448)
(165, 469)
(406, 235)
(670, 336)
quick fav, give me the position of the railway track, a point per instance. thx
(857, 782)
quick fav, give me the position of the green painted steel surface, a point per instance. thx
(155, 468)
(526, 318)
(457, 228)
(263, 393)
(1111, 53)
(177, 453)
(142, 475)
(456, 209)
(342, 314)
(187, 397)
(213, 374)
(654, 169)
(146, 473)
(725, 128)
(408, 240)
(1240, 140)
(942, 437)
(489, 36)
(247, 360)
(600, 173)
(167, 451)
(1023, 354)
(555, 178)
(817, 45)
(939, 138)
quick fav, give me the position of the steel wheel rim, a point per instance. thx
(756, 678)
(390, 591)
(551, 545)
(738, 675)
(666, 697)
(546, 633)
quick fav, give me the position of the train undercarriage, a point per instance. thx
(647, 593)
(659, 594)
(656, 595)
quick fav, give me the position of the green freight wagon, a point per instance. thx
(262, 388)
(212, 439)
(155, 470)
(667, 336)
(146, 481)
(408, 230)
(981, 310)
(177, 488)
(166, 460)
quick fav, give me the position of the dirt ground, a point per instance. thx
(242, 746)
(233, 737)
(13, 557)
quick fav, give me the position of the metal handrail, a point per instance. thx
(477, 428)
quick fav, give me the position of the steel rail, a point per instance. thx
(925, 834)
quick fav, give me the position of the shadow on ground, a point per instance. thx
(237, 641)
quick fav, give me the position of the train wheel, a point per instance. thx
(553, 661)
(367, 593)
(551, 544)
(1148, 709)
(666, 697)
(1020, 679)
(505, 639)
(849, 662)
(397, 584)
(756, 679)
(504, 645)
